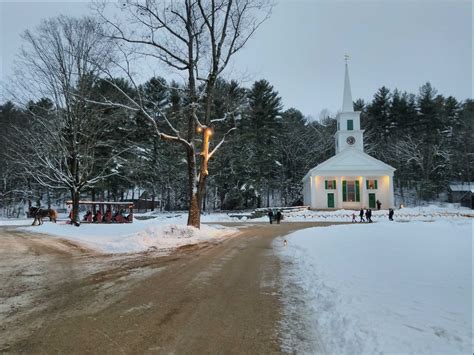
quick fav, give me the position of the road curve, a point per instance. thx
(204, 298)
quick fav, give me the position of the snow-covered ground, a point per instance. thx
(167, 230)
(162, 233)
(379, 288)
(426, 213)
(430, 212)
(15, 221)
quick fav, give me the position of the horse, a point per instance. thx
(40, 213)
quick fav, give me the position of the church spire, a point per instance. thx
(347, 104)
(349, 135)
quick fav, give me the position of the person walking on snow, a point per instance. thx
(390, 214)
(279, 217)
(361, 215)
(354, 217)
(270, 216)
(369, 215)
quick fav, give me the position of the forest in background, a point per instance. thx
(427, 137)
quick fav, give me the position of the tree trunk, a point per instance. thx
(48, 199)
(162, 196)
(194, 216)
(402, 196)
(203, 198)
(94, 210)
(75, 207)
(194, 212)
(29, 196)
(215, 198)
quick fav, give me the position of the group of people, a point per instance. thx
(108, 217)
(368, 215)
(278, 216)
(97, 217)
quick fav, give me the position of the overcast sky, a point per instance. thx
(300, 49)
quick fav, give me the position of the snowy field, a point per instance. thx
(163, 233)
(379, 288)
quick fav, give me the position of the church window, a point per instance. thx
(371, 184)
(330, 184)
(350, 125)
(350, 191)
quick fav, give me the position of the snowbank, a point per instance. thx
(379, 288)
(163, 234)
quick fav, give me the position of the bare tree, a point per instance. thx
(66, 146)
(195, 39)
(428, 159)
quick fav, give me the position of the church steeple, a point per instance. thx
(347, 104)
(349, 134)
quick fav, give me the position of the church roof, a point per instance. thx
(351, 162)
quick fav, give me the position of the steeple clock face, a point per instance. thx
(350, 140)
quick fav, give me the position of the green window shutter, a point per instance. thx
(350, 125)
(326, 184)
(334, 184)
(375, 184)
(357, 191)
(367, 184)
(344, 192)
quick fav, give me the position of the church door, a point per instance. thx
(330, 200)
(371, 200)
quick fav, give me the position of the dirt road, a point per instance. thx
(58, 297)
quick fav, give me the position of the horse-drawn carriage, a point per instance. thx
(106, 212)
(97, 212)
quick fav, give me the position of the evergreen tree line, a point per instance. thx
(426, 137)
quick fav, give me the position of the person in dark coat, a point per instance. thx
(361, 215)
(379, 204)
(279, 217)
(390, 214)
(369, 215)
(270, 216)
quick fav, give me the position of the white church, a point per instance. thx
(351, 179)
